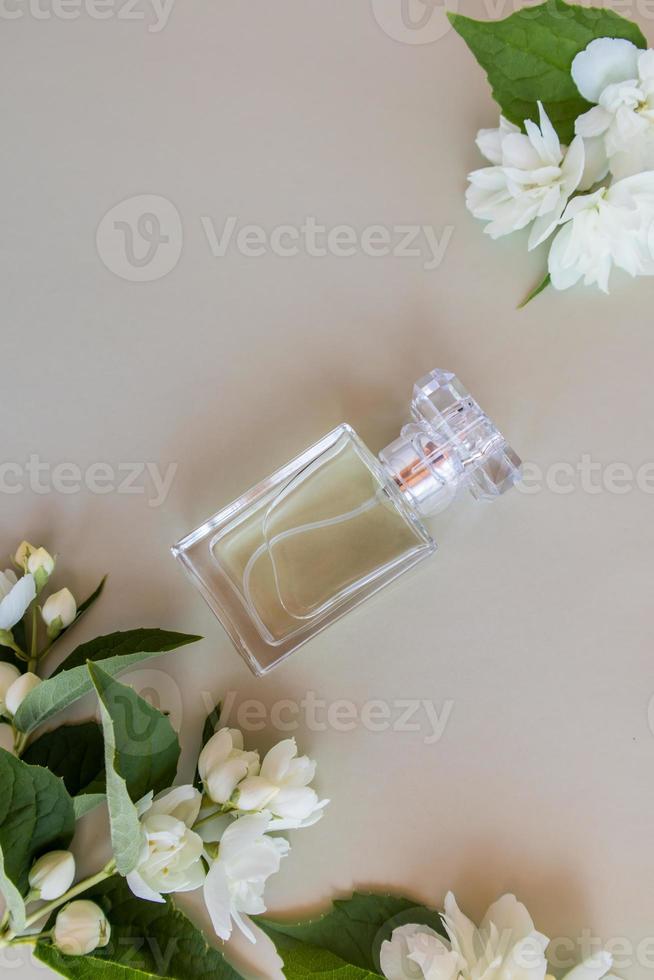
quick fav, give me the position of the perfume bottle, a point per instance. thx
(334, 525)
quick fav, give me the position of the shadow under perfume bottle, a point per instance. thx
(334, 525)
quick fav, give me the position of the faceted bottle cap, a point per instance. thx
(451, 444)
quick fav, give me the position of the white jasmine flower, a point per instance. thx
(59, 611)
(505, 941)
(80, 928)
(506, 946)
(416, 951)
(531, 179)
(15, 597)
(8, 674)
(7, 738)
(414, 948)
(19, 690)
(619, 77)
(223, 764)
(52, 875)
(172, 852)
(236, 880)
(593, 968)
(282, 788)
(613, 226)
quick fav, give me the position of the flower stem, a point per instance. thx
(20, 742)
(221, 811)
(34, 658)
(31, 940)
(81, 886)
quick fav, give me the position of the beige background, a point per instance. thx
(533, 620)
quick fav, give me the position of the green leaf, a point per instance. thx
(86, 802)
(36, 815)
(141, 754)
(146, 938)
(310, 961)
(114, 653)
(74, 752)
(208, 729)
(210, 724)
(146, 744)
(12, 896)
(127, 643)
(86, 967)
(528, 56)
(353, 930)
(124, 822)
(84, 606)
(536, 291)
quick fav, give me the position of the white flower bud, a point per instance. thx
(22, 554)
(59, 611)
(80, 928)
(223, 763)
(52, 875)
(8, 674)
(7, 738)
(19, 691)
(40, 564)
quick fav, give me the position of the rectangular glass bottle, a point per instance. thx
(303, 547)
(331, 527)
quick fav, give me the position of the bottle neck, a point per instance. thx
(428, 474)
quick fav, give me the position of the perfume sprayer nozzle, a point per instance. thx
(451, 444)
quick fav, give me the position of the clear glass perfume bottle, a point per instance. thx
(334, 525)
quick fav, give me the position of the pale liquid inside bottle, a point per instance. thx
(333, 528)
